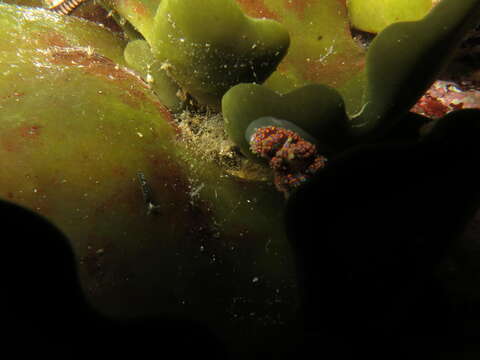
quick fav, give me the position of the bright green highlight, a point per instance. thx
(210, 45)
(375, 15)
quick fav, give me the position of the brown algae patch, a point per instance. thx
(135, 88)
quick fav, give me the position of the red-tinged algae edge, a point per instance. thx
(95, 64)
(257, 8)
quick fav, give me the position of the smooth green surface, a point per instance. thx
(402, 62)
(44, 30)
(76, 128)
(139, 13)
(206, 46)
(405, 58)
(317, 109)
(322, 49)
(139, 57)
(375, 15)
(209, 46)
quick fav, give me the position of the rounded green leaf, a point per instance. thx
(322, 49)
(41, 30)
(209, 46)
(375, 15)
(79, 135)
(317, 109)
(404, 60)
(139, 57)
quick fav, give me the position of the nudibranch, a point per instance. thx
(292, 158)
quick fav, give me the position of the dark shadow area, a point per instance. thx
(372, 232)
(46, 316)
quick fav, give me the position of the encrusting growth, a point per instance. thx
(293, 159)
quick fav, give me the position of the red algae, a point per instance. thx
(444, 97)
(50, 38)
(92, 63)
(10, 139)
(298, 6)
(255, 7)
(30, 131)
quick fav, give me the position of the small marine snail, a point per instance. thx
(63, 7)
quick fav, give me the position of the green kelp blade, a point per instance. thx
(404, 59)
(138, 56)
(77, 129)
(322, 49)
(375, 15)
(211, 45)
(317, 109)
(139, 13)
